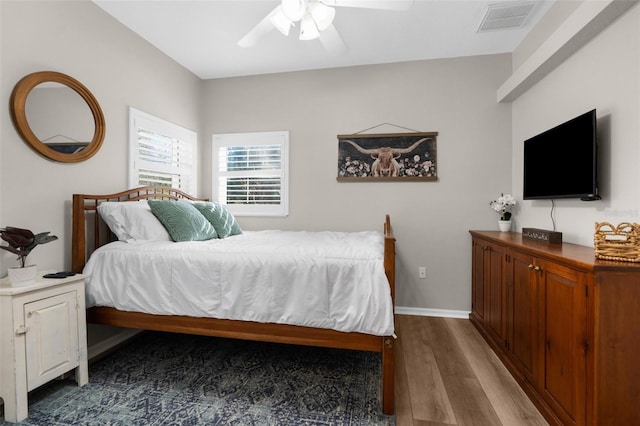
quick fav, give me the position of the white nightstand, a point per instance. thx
(43, 334)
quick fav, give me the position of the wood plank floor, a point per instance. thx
(446, 374)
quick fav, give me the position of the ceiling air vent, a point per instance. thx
(502, 16)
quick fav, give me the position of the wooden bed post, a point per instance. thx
(388, 377)
(390, 258)
(78, 237)
(388, 386)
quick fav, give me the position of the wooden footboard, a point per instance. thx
(89, 233)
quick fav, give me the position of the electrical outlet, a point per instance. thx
(422, 272)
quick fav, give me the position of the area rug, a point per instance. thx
(175, 379)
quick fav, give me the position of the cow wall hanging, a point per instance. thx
(387, 156)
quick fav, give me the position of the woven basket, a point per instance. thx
(621, 242)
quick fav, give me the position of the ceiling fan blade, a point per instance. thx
(263, 28)
(332, 42)
(399, 5)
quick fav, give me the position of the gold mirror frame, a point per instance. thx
(19, 116)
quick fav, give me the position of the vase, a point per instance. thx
(23, 276)
(504, 225)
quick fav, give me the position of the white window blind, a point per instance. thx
(161, 153)
(252, 172)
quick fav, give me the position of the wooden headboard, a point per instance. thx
(88, 230)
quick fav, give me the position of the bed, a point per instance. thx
(93, 242)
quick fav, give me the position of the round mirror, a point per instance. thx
(57, 116)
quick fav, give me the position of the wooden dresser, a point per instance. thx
(565, 324)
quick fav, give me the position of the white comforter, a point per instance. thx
(333, 280)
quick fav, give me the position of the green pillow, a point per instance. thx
(221, 219)
(183, 221)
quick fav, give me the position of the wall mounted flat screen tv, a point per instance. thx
(562, 162)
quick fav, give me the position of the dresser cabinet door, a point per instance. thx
(563, 307)
(52, 337)
(496, 309)
(478, 248)
(525, 336)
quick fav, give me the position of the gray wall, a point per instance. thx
(454, 97)
(120, 69)
(604, 74)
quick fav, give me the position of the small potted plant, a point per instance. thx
(503, 206)
(21, 242)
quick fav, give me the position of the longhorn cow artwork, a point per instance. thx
(399, 156)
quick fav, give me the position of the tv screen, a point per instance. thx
(562, 162)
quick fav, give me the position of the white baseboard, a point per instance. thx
(425, 312)
(110, 342)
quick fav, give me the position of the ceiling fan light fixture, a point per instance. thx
(281, 22)
(322, 15)
(308, 29)
(293, 9)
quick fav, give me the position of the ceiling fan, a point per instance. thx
(316, 20)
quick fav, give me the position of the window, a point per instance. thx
(161, 153)
(252, 172)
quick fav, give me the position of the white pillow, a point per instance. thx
(132, 220)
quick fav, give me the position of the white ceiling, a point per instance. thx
(202, 35)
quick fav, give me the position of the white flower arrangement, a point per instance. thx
(503, 205)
